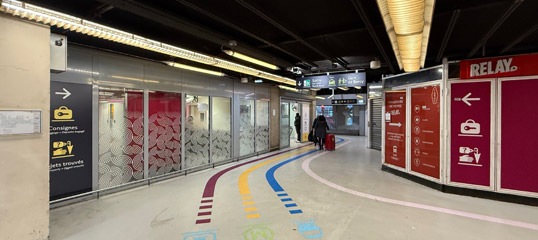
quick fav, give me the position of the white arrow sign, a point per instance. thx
(467, 99)
(395, 124)
(65, 93)
(477, 156)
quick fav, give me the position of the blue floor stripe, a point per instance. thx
(290, 205)
(295, 211)
(270, 176)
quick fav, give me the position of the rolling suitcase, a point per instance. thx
(329, 142)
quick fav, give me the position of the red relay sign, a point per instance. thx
(521, 65)
(395, 124)
(425, 127)
(470, 133)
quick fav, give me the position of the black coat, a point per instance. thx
(320, 128)
(297, 122)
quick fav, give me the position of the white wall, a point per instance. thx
(24, 175)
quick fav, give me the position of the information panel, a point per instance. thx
(395, 125)
(70, 139)
(470, 133)
(425, 127)
(19, 122)
(332, 81)
(519, 131)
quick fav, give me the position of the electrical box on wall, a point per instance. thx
(58, 53)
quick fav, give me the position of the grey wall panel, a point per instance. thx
(262, 92)
(195, 83)
(79, 68)
(244, 90)
(221, 87)
(160, 77)
(119, 71)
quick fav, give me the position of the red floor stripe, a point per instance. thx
(203, 221)
(206, 201)
(204, 213)
(206, 207)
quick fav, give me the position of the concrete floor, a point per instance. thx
(322, 195)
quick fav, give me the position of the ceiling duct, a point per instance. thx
(408, 24)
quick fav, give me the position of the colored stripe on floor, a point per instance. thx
(209, 190)
(306, 168)
(244, 189)
(270, 176)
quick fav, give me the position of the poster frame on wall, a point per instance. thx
(498, 161)
(448, 154)
(442, 131)
(383, 130)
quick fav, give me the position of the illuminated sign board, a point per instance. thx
(332, 81)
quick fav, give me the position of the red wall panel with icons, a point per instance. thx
(425, 128)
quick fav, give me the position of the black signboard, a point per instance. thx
(332, 81)
(70, 139)
(344, 101)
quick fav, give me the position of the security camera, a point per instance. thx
(59, 42)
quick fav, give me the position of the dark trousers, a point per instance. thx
(298, 131)
(321, 141)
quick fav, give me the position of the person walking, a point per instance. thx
(320, 129)
(297, 124)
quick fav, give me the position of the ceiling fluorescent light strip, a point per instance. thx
(191, 68)
(60, 20)
(288, 88)
(408, 24)
(251, 59)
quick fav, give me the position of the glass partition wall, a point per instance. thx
(284, 124)
(208, 135)
(221, 134)
(262, 125)
(246, 130)
(164, 137)
(121, 136)
(196, 131)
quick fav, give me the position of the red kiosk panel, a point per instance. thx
(519, 135)
(395, 125)
(425, 127)
(470, 133)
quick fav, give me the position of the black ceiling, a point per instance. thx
(310, 34)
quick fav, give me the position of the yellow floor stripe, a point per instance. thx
(246, 198)
(243, 178)
(250, 209)
(253, 215)
(248, 203)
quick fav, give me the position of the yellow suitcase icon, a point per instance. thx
(63, 113)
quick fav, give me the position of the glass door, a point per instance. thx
(197, 131)
(246, 130)
(284, 124)
(295, 131)
(121, 136)
(262, 125)
(221, 129)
